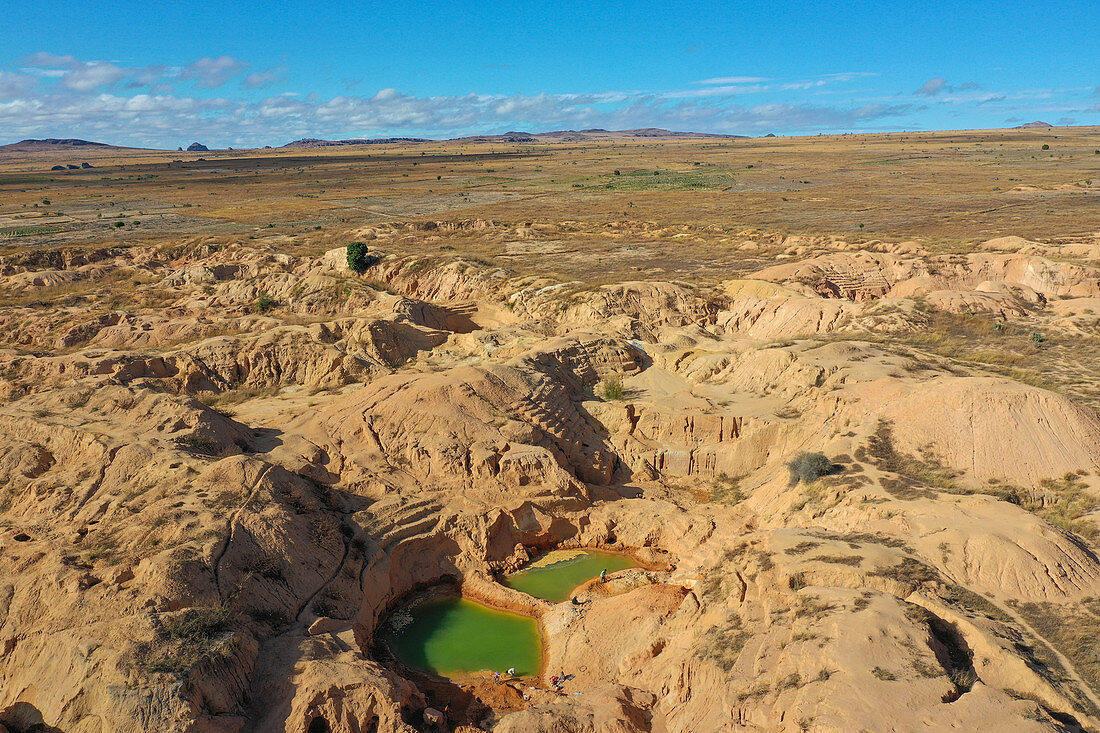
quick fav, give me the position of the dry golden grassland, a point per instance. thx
(947, 189)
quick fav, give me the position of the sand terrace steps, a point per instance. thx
(852, 284)
(550, 408)
(395, 520)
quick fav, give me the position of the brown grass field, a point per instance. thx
(668, 212)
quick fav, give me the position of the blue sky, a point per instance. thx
(248, 73)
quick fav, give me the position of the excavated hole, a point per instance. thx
(470, 697)
(959, 664)
(319, 725)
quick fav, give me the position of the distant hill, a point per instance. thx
(51, 143)
(517, 137)
(1037, 125)
(312, 142)
(514, 136)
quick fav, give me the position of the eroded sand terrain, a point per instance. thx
(224, 460)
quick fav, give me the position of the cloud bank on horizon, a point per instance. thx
(250, 74)
(59, 95)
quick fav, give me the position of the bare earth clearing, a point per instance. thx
(225, 457)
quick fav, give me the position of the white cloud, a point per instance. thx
(166, 120)
(732, 80)
(265, 78)
(13, 84)
(43, 58)
(150, 75)
(62, 96)
(718, 91)
(87, 77)
(209, 73)
(932, 87)
(849, 75)
(794, 85)
(72, 73)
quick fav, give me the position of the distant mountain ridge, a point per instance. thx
(32, 145)
(52, 143)
(313, 142)
(516, 136)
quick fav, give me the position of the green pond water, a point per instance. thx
(557, 581)
(452, 636)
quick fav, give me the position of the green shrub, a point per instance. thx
(195, 636)
(264, 303)
(612, 389)
(1046, 147)
(358, 259)
(809, 467)
(198, 626)
(199, 443)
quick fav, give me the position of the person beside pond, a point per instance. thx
(603, 575)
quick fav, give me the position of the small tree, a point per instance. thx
(809, 467)
(358, 259)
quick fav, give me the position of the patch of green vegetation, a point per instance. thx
(105, 549)
(611, 389)
(967, 600)
(358, 258)
(329, 605)
(909, 571)
(703, 179)
(809, 467)
(726, 489)
(790, 682)
(195, 636)
(1072, 629)
(723, 644)
(913, 476)
(276, 620)
(760, 689)
(1065, 502)
(27, 231)
(991, 344)
(199, 444)
(265, 303)
(812, 608)
(852, 560)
